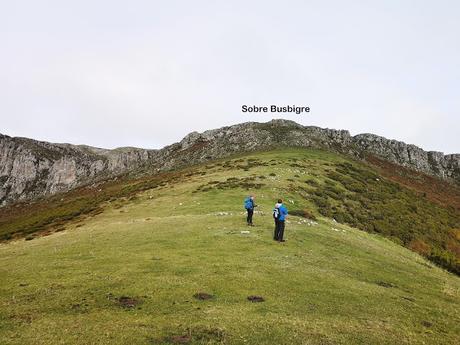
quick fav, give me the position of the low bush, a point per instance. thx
(304, 213)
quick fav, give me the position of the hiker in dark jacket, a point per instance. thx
(279, 214)
(249, 205)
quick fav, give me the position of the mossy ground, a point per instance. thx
(328, 284)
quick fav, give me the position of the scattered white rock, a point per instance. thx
(245, 232)
(307, 222)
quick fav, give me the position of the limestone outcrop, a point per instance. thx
(30, 168)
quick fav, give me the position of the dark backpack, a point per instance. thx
(276, 212)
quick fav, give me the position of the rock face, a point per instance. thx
(30, 168)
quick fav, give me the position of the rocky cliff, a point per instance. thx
(30, 168)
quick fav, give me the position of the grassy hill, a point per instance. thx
(163, 260)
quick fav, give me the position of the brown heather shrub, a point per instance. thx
(420, 247)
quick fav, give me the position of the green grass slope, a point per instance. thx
(128, 271)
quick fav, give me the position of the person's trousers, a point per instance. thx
(279, 232)
(275, 235)
(249, 218)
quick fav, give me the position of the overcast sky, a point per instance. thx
(145, 73)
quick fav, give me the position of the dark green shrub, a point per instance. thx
(312, 183)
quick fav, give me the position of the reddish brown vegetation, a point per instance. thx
(420, 247)
(434, 189)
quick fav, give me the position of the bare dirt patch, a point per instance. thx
(195, 335)
(202, 296)
(128, 302)
(256, 299)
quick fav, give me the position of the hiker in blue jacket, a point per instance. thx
(279, 214)
(249, 205)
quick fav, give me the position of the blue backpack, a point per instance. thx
(247, 203)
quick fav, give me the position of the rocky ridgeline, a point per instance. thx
(252, 136)
(30, 168)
